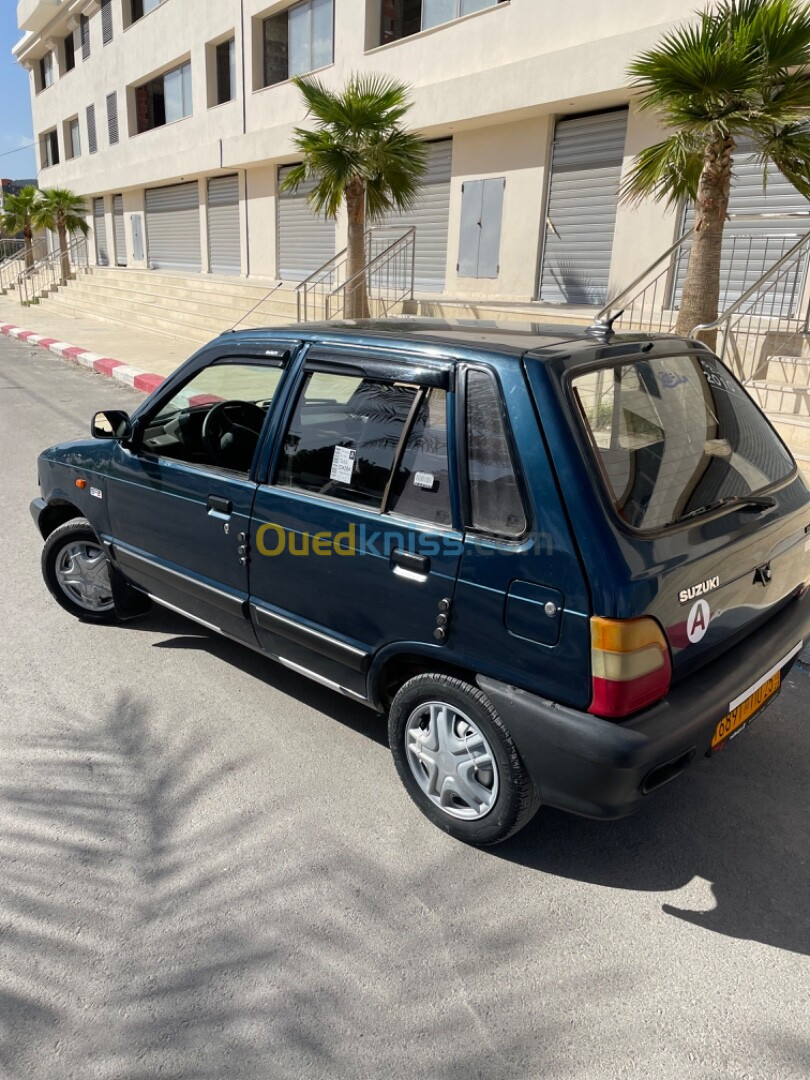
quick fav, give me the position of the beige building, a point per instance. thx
(174, 117)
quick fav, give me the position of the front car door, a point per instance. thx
(180, 495)
(354, 550)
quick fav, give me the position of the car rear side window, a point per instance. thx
(421, 487)
(495, 502)
(674, 436)
(344, 435)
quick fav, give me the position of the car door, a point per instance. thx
(181, 493)
(353, 543)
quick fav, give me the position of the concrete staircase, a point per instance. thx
(193, 308)
(784, 394)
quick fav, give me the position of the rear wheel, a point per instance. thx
(77, 572)
(457, 760)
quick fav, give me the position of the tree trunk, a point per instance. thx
(356, 302)
(701, 290)
(29, 247)
(63, 251)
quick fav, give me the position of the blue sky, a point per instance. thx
(15, 105)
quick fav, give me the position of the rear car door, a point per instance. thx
(353, 544)
(180, 496)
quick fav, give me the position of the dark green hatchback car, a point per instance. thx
(565, 566)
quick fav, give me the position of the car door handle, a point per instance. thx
(408, 564)
(219, 505)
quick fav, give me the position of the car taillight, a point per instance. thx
(630, 665)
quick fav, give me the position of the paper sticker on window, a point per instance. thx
(342, 465)
(424, 480)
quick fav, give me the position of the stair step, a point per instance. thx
(222, 308)
(781, 399)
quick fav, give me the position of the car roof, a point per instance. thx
(503, 338)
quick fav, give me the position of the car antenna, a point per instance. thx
(603, 328)
(241, 319)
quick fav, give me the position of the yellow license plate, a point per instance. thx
(746, 710)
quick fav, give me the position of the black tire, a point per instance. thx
(516, 800)
(77, 531)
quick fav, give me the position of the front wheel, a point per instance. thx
(458, 761)
(77, 572)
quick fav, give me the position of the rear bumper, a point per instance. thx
(603, 769)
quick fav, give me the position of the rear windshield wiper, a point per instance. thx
(740, 502)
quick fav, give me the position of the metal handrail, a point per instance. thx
(385, 257)
(10, 248)
(49, 269)
(624, 294)
(622, 297)
(9, 270)
(755, 288)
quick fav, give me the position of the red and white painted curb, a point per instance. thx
(104, 365)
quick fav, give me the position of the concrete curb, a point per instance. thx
(104, 365)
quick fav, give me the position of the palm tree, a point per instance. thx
(741, 70)
(63, 211)
(19, 212)
(361, 155)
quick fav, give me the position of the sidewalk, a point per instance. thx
(133, 347)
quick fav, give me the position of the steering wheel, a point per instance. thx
(230, 432)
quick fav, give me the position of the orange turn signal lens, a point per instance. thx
(81, 484)
(630, 665)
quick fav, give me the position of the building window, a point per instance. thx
(401, 18)
(164, 100)
(139, 8)
(73, 139)
(92, 141)
(225, 72)
(297, 40)
(69, 45)
(112, 118)
(49, 146)
(106, 21)
(46, 71)
(84, 36)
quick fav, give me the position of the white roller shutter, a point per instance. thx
(120, 231)
(100, 231)
(743, 262)
(173, 227)
(224, 234)
(305, 241)
(431, 216)
(581, 215)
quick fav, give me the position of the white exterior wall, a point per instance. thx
(494, 81)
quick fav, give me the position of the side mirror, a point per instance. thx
(111, 424)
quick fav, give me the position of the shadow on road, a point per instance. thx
(738, 821)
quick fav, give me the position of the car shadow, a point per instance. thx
(737, 821)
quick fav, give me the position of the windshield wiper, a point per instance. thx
(740, 502)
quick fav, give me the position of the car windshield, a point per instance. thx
(674, 436)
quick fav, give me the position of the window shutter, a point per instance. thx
(112, 118)
(84, 32)
(106, 21)
(92, 141)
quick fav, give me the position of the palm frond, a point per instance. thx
(789, 149)
(668, 172)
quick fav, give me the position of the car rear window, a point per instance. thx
(674, 436)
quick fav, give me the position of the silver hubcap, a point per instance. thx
(451, 761)
(84, 577)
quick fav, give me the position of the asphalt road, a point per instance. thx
(209, 870)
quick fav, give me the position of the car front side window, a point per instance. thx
(216, 418)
